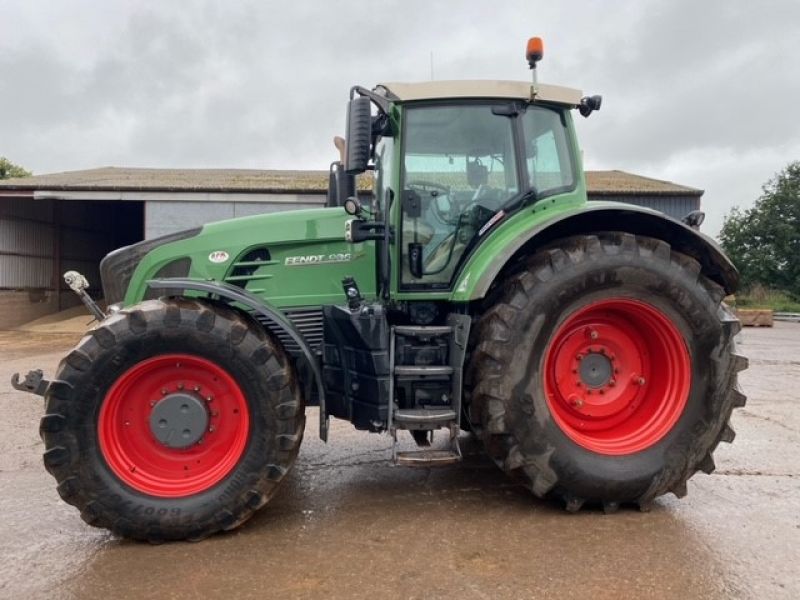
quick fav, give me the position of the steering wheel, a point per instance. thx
(439, 193)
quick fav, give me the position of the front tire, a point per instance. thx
(173, 419)
(605, 371)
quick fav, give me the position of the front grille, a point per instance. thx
(307, 321)
(245, 269)
(175, 268)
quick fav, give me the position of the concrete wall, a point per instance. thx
(18, 307)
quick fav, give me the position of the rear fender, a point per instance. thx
(238, 295)
(483, 268)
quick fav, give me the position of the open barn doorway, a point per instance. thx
(42, 239)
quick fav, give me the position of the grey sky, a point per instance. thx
(701, 93)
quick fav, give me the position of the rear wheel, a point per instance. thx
(605, 371)
(172, 420)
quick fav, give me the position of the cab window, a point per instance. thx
(547, 155)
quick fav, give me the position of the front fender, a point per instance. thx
(273, 315)
(523, 237)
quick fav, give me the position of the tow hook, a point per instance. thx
(78, 284)
(34, 382)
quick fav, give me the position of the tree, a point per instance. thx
(9, 169)
(764, 241)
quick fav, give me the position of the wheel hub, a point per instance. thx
(179, 420)
(617, 375)
(173, 425)
(595, 370)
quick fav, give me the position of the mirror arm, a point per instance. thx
(359, 230)
(380, 101)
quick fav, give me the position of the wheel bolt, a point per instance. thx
(152, 402)
(209, 399)
(196, 388)
(163, 391)
(210, 429)
(575, 401)
(580, 356)
(612, 382)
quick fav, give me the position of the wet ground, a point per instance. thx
(346, 524)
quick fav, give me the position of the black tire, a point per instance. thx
(508, 407)
(212, 332)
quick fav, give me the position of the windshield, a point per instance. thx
(458, 170)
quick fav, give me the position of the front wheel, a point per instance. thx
(606, 371)
(173, 419)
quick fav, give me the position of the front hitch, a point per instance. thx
(34, 382)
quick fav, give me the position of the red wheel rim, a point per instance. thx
(617, 375)
(138, 458)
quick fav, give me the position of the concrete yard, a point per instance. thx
(347, 524)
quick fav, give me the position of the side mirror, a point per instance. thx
(589, 104)
(359, 135)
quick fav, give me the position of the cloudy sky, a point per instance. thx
(701, 93)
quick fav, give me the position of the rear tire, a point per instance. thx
(101, 437)
(646, 307)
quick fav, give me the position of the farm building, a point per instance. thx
(50, 224)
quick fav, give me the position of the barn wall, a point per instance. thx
(27, 244)
(674, 206)
(168, 216)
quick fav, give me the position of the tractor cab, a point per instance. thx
(450, 160)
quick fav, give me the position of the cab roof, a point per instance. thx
(518, 90)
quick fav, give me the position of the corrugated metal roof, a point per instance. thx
(265, 181)
(615, 183)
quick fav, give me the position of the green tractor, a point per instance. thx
(586, 345)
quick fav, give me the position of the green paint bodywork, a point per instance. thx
(290, 234)
(320, 233)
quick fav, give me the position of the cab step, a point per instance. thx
(427, 458)
(423, 370)
(428, 416)
(423, 331)
(425, 364)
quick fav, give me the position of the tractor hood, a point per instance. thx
(247, 252)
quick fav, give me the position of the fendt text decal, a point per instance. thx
(317, 259)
